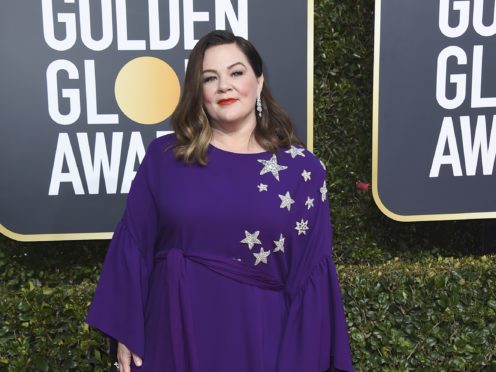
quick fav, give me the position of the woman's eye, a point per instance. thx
(208, 79)
(237, 73)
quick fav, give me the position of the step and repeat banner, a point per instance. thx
(85, 85)
(434, 130)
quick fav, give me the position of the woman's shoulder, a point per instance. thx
(302, 157)
(162, 144)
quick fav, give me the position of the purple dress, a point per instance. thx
(226, 267)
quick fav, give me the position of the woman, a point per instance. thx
(222, 260)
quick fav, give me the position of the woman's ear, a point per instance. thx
(260, 82)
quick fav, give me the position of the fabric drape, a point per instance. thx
(225, 267)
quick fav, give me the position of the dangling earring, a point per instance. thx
(259, 107)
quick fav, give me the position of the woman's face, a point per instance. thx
(230, 86)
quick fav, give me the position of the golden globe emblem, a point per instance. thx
(147, 90)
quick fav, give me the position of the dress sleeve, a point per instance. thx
(316, 337)
(119, 301)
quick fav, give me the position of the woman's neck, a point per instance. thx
(239, 140)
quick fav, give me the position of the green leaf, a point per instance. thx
(23, 306)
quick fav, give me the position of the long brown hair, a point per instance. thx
(190, 122)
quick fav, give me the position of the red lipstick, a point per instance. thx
(226, 101)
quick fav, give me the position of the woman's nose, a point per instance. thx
(224, 84)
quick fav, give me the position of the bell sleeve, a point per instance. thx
(119, 301)
(315, 337)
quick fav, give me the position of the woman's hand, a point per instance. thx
(124, 356)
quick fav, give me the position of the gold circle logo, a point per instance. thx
(147, 90)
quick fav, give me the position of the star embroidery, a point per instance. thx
(262, 187)
(306, 175)
(323, 191)
(279, 244)
(302, 227)
(309, 202)
(261, 256)
(251, 239)
(286, 200)
(322, 163)
(295, 151)
(271, 166)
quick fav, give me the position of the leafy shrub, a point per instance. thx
(44, 295)
(438, 313)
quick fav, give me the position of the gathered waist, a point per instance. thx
(181, 321)
(228, 267)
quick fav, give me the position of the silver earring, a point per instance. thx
(259, 107)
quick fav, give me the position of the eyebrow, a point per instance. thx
(228, 67)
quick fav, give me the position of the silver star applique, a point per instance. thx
(323, 191)
(286, 200)
(279, 244)
(251, 239)
(262, 187)
(302, 227)
(309, 202)
(271, 166)
(306, 175)
(261, 256)
(295, 151)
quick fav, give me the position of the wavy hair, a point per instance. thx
(190, 122)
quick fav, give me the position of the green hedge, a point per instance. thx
(416, 295)
(432, 312)
(436, 313)
(45, 291)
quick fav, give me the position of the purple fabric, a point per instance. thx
(180, 286)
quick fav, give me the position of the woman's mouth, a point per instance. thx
(226, 101)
